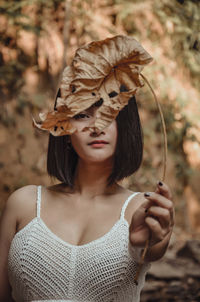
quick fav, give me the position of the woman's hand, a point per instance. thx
(153, 221)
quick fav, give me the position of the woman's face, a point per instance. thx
(91, 146)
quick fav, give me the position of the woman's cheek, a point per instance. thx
(113, 134)
(78, 142)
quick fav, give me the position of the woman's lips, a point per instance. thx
(98, 143)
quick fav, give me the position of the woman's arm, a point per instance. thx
(153, 221)
(7, 231)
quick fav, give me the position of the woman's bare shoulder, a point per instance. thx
(128, 192)
(22, 194)
(21, 200)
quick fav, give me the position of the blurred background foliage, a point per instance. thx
(38, 38)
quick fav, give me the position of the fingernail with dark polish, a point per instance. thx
(160, 183)
(146, 194)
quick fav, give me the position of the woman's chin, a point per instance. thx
(98, 158)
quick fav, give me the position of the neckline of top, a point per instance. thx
(66, 243)
(93, 242)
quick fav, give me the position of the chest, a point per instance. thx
(79, 222)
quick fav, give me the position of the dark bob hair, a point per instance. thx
(62, 160)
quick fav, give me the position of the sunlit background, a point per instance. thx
(38, 39)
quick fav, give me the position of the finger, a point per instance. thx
(157, 233)
(139, 237)
(139, 216)
(163, 189)
(162, 214)
(162, 202)
(159, 200)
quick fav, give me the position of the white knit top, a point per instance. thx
(43, 267)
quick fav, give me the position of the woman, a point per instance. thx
(81, 240)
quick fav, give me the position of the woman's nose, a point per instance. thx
(96, 133)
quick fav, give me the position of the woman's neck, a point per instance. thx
(91, 179)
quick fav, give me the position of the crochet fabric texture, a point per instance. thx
(43, 267)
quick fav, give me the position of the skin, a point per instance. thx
(76, 215)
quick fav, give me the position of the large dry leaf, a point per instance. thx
(108, 70)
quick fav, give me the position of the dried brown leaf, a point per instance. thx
(108, 70)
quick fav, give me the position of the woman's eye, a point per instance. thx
(81, 116)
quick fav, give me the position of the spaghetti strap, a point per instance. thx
(38, 200)
(126, 204)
